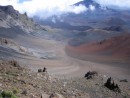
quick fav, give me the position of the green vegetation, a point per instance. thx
(15, 91)
(7, 94)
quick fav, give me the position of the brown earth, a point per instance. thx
(116, 46)
(27, 84)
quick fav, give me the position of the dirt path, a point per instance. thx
(62, 64)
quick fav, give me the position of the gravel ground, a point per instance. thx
(44, 85)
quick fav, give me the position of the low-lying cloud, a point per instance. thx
(45, 8)
(122, 4)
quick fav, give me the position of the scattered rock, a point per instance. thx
(55, 95)
(32, 96)
(22, 82)
(14, 63)
(90, 74)
(45, 85)
(3, 41)
(52, 96)
(39, 70)
(124, 80)
(0, 84)
(0, 78)
(59, 96)
(44, 96)
(42, 70)
(24, 92)
(45, 69)
(111, 85)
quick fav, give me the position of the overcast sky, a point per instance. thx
(45, 8)
(122, 4)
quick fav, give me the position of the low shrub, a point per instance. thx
(7, 94)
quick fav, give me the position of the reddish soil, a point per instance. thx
(116, 46)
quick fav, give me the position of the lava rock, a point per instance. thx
(110, 84)
(24, 92)
(124, 80)
(42, 70)
(90, 74)
(39, 70)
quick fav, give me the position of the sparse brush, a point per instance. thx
(15, 91)
(7, 94)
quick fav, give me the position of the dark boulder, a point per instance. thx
(110, 84)
(39, 70)
(42, 70)
(90, 74)
(124, 80)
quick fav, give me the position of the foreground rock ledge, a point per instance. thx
(26, 84)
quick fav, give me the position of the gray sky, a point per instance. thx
(46, 8)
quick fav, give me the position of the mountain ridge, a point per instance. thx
(9, 17)
(87, 3)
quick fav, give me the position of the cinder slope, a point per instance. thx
(116, 46)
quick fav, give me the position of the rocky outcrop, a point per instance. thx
(26, 84)
(110, 84)
(124, 80)
(10, 17)
(9, 10)
(10, 44)
(42, 70)
(90, 74)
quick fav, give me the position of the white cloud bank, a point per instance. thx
(122, 4)
(45, 8)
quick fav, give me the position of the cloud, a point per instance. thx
(123, 4)
(53, 20)
(45, 8)
(91, 7)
